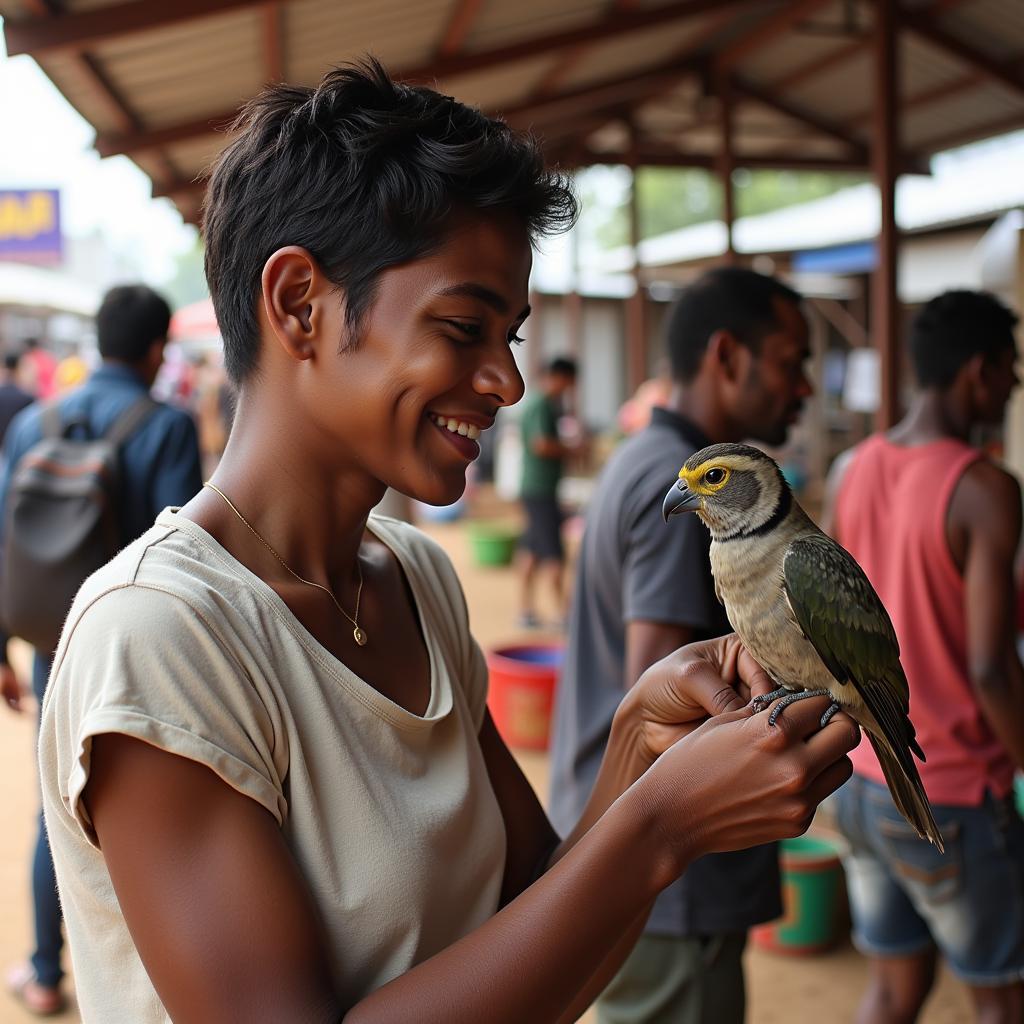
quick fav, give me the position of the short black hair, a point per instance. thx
(11, 361)
(730, 299)
(562, 366)
(953, 327)
(363, 172)
(130, 318)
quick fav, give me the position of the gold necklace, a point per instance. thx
(358, 633)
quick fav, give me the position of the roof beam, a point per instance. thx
(89, 66)
(614, 25)
(83, 29)
(458, 28)
(823, 63)
(806, 117)
(273, 51)
(928, 96)
(607, 94)
(650, 155)
(938, 143)
(1008, 74)
(764, 32)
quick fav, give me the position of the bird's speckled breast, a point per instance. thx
(748, 578)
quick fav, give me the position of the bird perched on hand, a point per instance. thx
(804, 609)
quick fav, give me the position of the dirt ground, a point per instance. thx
(824, 989)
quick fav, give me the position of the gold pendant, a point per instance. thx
(359, 636)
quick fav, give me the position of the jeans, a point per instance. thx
(905, 895)
(48, 918)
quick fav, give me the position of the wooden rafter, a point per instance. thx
(117, 105)
(453, 38)
(821, 125)
(962, 136)
(273, 50)
(826, 62)
(612, 26)
(1008, 74)
(650, 154)
(765, 31)
(81, 30)
(935, 94)
(609, 94)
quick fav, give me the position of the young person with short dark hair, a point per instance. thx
(936, 524)
(274, 789)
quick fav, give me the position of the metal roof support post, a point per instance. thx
(636, 304)
(726, 162)
(885, 317)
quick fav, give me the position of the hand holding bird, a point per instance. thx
(804, 609)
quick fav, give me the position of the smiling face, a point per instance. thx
(432, 364)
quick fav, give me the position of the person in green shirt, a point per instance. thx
(544, 454)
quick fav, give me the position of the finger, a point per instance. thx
(839, 737)
(752, 675)
(796, 721)
(829, 780)
(703, 685)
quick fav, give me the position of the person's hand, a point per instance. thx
(677, 694)
(10, 687)
(737, 781)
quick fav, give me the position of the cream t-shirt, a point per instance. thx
(390, 816)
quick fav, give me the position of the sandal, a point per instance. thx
(40, 1000)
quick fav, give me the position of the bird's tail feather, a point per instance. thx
(907, 790)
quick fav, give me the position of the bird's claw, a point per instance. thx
(760, 703)
(792, 698)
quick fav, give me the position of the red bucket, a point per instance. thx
(522, 692)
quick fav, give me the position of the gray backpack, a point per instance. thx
(61, 522)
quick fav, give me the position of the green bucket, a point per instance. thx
(493, 544)
(812, 895)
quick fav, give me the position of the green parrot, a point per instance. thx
(804, 609)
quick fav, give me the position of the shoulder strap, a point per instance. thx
(130, 420)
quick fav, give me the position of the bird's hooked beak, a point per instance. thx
(679, 499)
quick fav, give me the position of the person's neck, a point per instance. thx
(309, 509)
(699, 404)
(932, 416)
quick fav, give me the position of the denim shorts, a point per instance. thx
(905, 896)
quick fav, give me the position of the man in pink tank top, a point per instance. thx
(935, 525)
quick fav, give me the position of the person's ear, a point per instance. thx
(974, 374)
(727, 354)
(295, 296)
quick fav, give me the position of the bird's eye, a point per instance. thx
(714, 476)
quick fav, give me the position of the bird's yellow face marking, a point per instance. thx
(708, 478)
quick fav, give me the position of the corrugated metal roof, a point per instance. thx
(803, 70)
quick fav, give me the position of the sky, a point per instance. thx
(47, 144)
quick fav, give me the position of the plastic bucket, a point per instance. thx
(522, 692)
(812, 894)
(493, 544)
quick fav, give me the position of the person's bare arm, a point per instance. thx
(225, 925)
(648, 642)
(986, 510)
(834, 480)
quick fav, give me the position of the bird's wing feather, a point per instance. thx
(839, 612)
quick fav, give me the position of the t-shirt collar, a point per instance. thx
(686, 429)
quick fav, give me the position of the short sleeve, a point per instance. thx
(145, 663)
(666, 573)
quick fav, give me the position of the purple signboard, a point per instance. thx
(30, 225)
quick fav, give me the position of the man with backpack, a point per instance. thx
(82, 477)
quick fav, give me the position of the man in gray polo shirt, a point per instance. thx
(737, 342)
